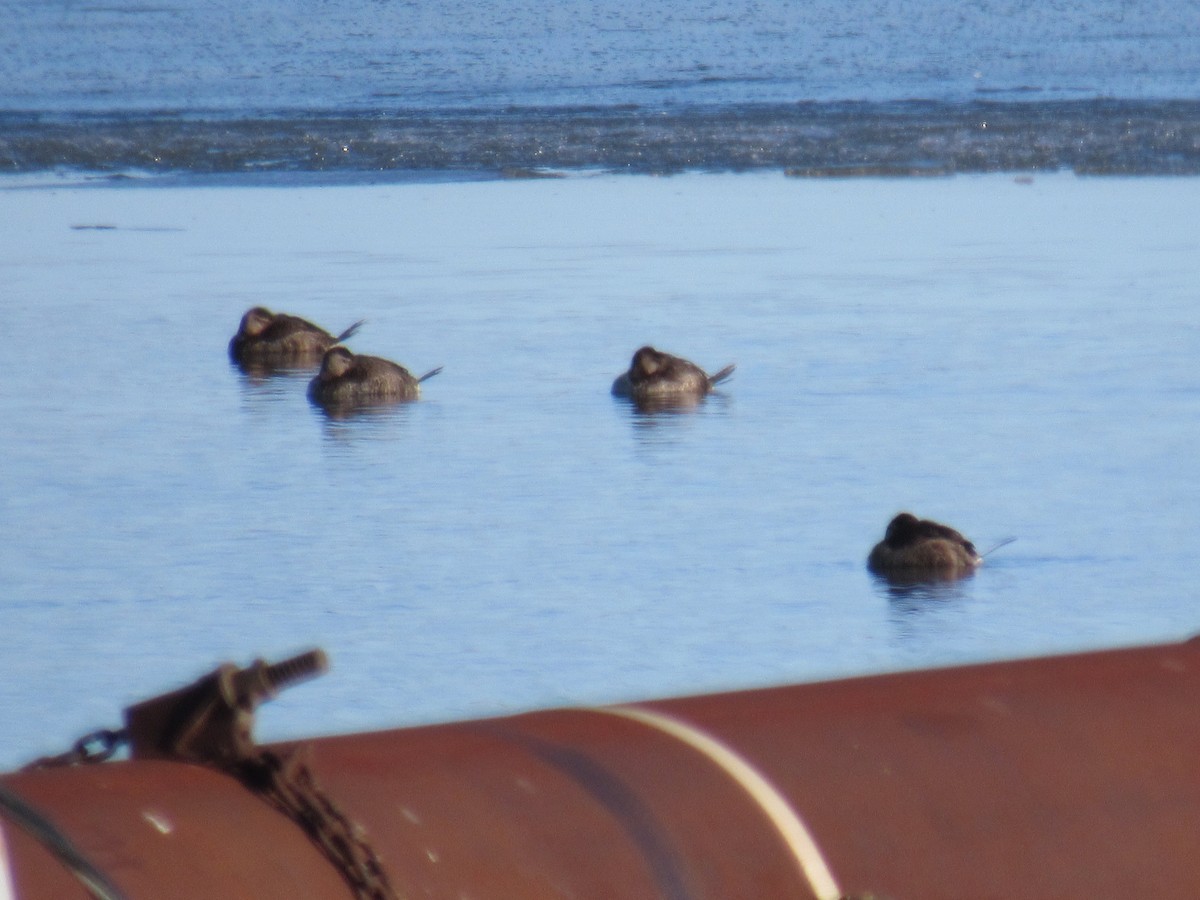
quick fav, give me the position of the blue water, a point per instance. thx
(1015, 359)
(1013, 353)
(408, 90)
(363, 54)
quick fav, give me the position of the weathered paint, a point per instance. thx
(1060, 777)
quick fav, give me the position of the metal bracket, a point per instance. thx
(212, 720)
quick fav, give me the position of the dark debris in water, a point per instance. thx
(900, 139)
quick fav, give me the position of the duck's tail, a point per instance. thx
(349, 332)
(722, 375)
(429, 374)
(997, 546)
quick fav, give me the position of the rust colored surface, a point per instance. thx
(557, 804)
(164, 830)
(1071, 777)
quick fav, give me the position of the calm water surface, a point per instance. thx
(387, 88)
(191, 55)
(1015, 359)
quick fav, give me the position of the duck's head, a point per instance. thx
(336, 362)
(646, 362)
(255, 321)
(902, 528)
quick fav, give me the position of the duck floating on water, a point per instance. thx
(656, 378)
(915, 549)
(348, 379)
(267, 339)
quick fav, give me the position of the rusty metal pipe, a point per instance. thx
(1070, 776)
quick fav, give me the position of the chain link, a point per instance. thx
(91, 748)
(288, 784)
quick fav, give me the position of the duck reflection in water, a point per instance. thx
(349, 381)
(267, 341)
(909, 598)
(920, 550)
(659, 381)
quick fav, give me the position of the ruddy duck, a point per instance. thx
(657, 377)
(915, 549)
(348, 379)
(276, 339)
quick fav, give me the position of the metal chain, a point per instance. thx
(91, 748)
(288, 784)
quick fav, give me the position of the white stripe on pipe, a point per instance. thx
(6, 885)
(791, 827)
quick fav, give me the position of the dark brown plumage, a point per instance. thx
(915, 549)
(348, 379)
(655, 376)
(266, 339)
